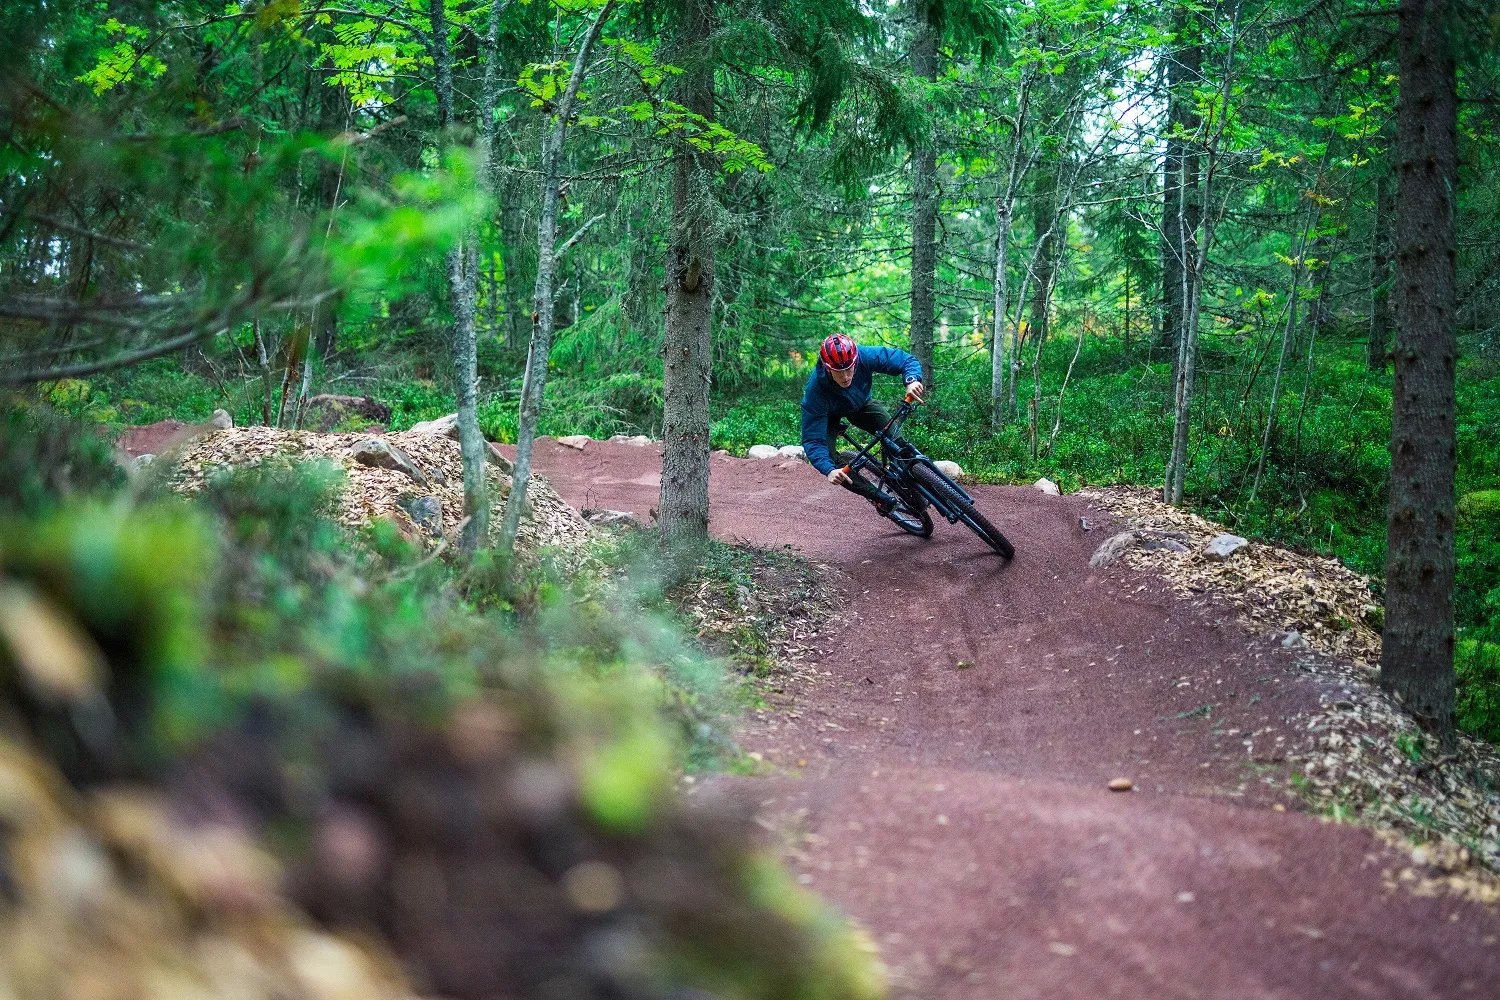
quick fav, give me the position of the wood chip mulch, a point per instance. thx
(373, 493)
(1363, 758)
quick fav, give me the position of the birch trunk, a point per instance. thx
(1001, 352)
(1417, 657)
(463, 284)
(543, 317)
(263, 359)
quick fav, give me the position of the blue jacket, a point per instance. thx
(824, 398)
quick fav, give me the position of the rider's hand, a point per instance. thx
(839, 477)
(914, 392)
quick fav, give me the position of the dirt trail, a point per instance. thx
(960, 812)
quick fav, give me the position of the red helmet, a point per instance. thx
(839, 352)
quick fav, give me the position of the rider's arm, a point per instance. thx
(893, 361)
(815, 438)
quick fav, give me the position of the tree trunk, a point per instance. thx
(999, 355)
(688, 345)
(924, 208)
(1043, 215)
(512, 227)
(1193, 253)
(264, 361)
(1180, 205)
(543, 316)
(1417, 658)
(463, 284)
(1377, 353)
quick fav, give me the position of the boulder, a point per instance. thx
(791, 451)
(383, 455)
(441, 427)
(426, 512)
(1223, 546)
(1151, 542)
(499, 461)
(604, 518)
(763, 451)
(950, 469)
(575, 441)
(220, 420)
(140, 463)
(1046, 486)
(1113, 548)
(327, 411)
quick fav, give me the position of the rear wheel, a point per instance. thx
(935, 481)
(914, 522)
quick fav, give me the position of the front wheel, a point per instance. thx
(984, 529)
(942, 487)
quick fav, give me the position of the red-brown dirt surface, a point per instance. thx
(960, 813)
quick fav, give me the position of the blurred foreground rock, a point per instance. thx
(106, 896)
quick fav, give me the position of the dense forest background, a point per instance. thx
(244, 206)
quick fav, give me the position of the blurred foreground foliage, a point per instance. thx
(489, 789)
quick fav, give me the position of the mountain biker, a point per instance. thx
(839, 390)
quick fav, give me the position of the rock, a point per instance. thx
(56, 659)
(441, 427)
(718, 453)
(604, 518)
(426, 512)
(1113, 547)
(575, 441)
(1046, 486)
(950, 469)
(383, 455)
(791, 451)
(1083, 524)
(1223, 546)
(1157, 542)
(498, 460)
(639, 440)
(1121, 785)
(140, 463)
(327, 411)
(220, 420)
(763, 451)
(1294, 640)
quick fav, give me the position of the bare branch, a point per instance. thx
(571, 240)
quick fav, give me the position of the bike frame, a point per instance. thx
(896, 460)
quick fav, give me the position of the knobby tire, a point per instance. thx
(976, 521)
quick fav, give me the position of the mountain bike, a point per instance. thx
(917, 483)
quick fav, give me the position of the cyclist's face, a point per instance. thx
(843, 378)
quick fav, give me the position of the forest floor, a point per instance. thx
(939, 766)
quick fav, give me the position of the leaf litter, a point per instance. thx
(1362, 757)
